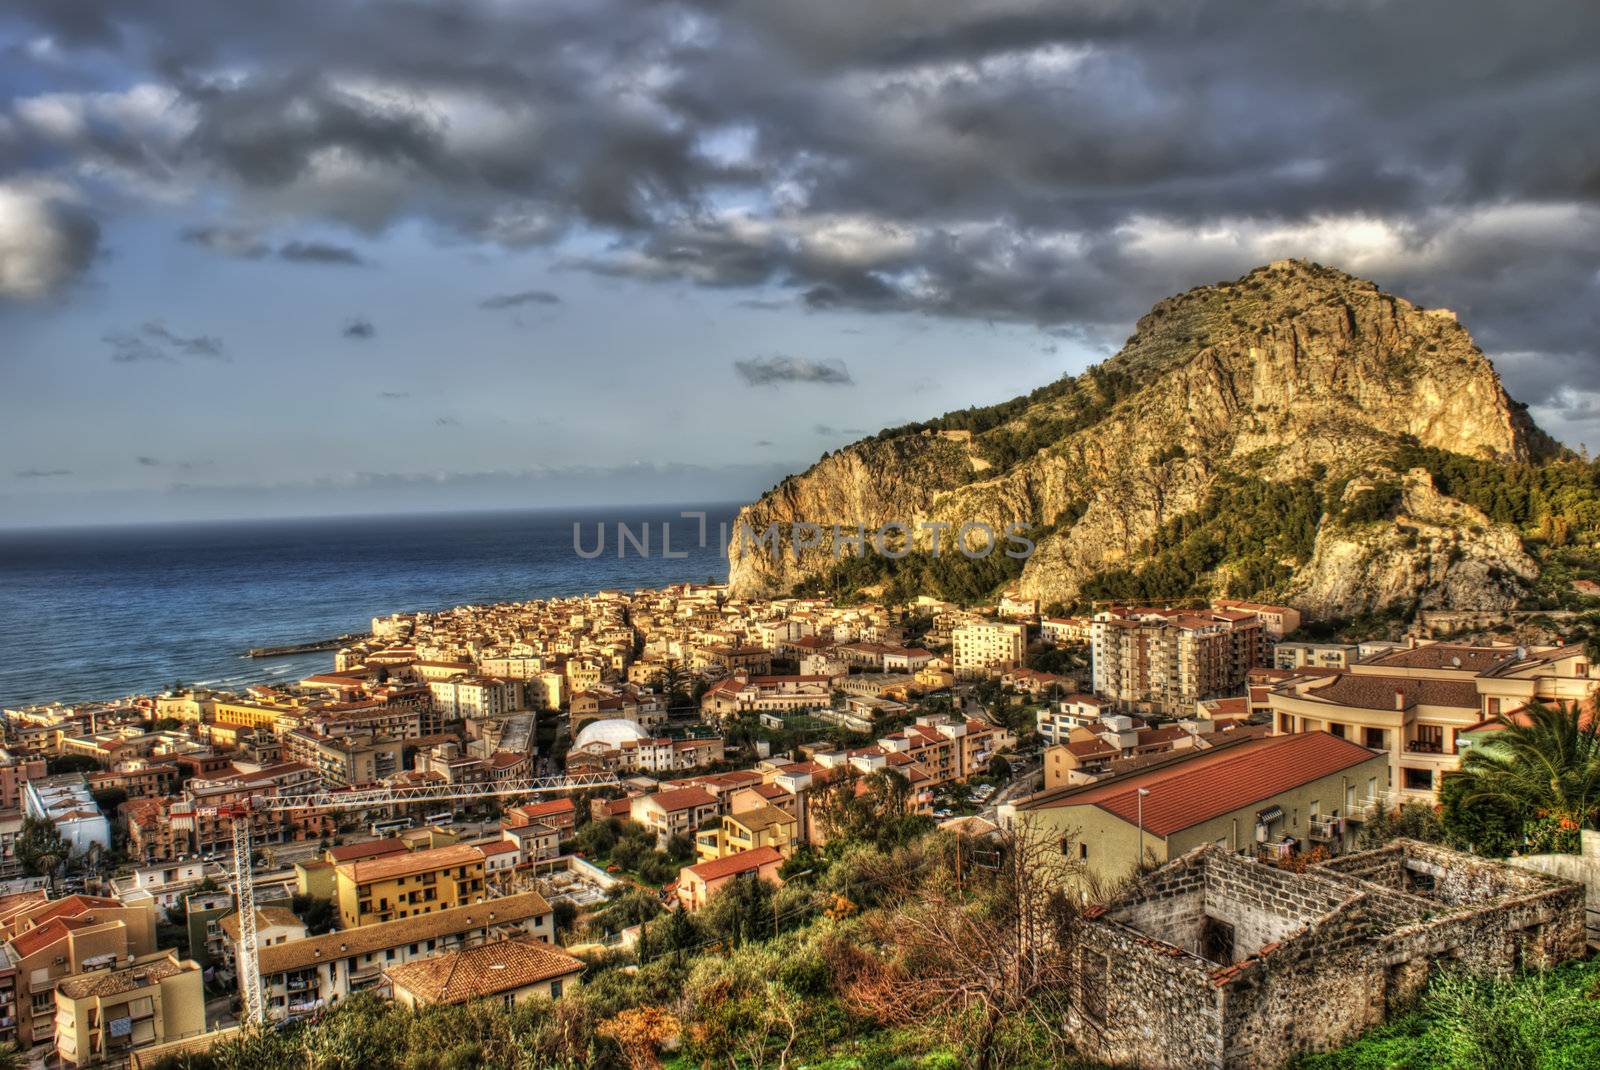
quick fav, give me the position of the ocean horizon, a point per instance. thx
(101, 612)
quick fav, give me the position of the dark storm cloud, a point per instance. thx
(771, 371)
(311, 252)
(522, 297)
(1057, 164)
(43, 473)
(153, 342)
(359, 330)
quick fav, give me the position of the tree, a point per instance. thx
(1543, 762)
(640, 1033)
(40, 849)
(970, 954)
(875, 808)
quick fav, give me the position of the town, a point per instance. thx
(479, 803)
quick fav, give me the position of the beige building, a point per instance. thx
(1163, 661)
(1271, 796)
(763, 826)
(303, 976)
(984, 648)
(509, 971)
(102, 1015)
(1413, 704)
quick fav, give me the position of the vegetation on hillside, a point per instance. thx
(1548, 1021)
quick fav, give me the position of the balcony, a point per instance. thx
(1329, 830)
(1274, 852)
(1424, 746)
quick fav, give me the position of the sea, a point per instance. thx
(100, 613)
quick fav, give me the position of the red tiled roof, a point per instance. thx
(683, 799)
(743, 862)
(352, 852)
(1213, 783)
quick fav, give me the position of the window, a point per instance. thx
(1418, 779)
(1375, 738)
(555, 990)
(1083, 852)
(1336, 728)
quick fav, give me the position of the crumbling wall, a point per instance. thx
(1264, 905)
(1151, 1005)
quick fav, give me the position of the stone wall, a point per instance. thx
(1156, 1009)
(1317, 957)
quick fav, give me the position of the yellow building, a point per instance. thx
(102, 1015)
(408, 885)
(764, 826)
(251, 715)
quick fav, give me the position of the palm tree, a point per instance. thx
(1545, 760)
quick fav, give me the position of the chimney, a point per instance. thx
(1399, 699)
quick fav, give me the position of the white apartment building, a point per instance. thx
(983, 648)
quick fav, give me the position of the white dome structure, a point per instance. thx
(610, 733)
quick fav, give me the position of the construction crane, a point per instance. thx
(239, 815)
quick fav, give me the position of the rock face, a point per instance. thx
(1295, 371)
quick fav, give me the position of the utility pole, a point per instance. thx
(1139, 863)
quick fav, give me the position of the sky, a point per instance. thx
(317, 257)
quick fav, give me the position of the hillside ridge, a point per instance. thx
(1294, 376)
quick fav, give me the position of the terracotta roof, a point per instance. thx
(403, 865)
(42, 936)
(354, 852)
(346, 943)
(265, 916)
(682, 799)
(731, 865)
(1368, 692)
(1454, 656)
(136, 975)
(545, 809)
(1216, 782)
(762, 817)
(73, 906)
(486, 970)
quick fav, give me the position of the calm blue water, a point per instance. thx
(106, 612)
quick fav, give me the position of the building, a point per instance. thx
(1163, 661)
(1074, 711)
(1256, 796)
(1276, 621)
(508, 971)
(303, 976)
(399, 886)
(986, 648)
(47, 941)
(762, 826)
(15, 771)
(1417, 704)
(698, 883)
(1314, 655)
(104, 1014)
(461, 698)
(678, 812)
(1217, 961)
(66, 802)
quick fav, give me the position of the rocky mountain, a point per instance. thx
(1296, 433)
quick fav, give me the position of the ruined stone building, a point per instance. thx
(1219, 961)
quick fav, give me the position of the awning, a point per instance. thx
(1269, 815)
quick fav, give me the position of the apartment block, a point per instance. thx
(1163, 661)
(986, 648)
(104, 1015)
(409, 884)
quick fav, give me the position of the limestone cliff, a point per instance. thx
(1295, 372)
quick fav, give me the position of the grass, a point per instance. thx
(1546, 1021)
